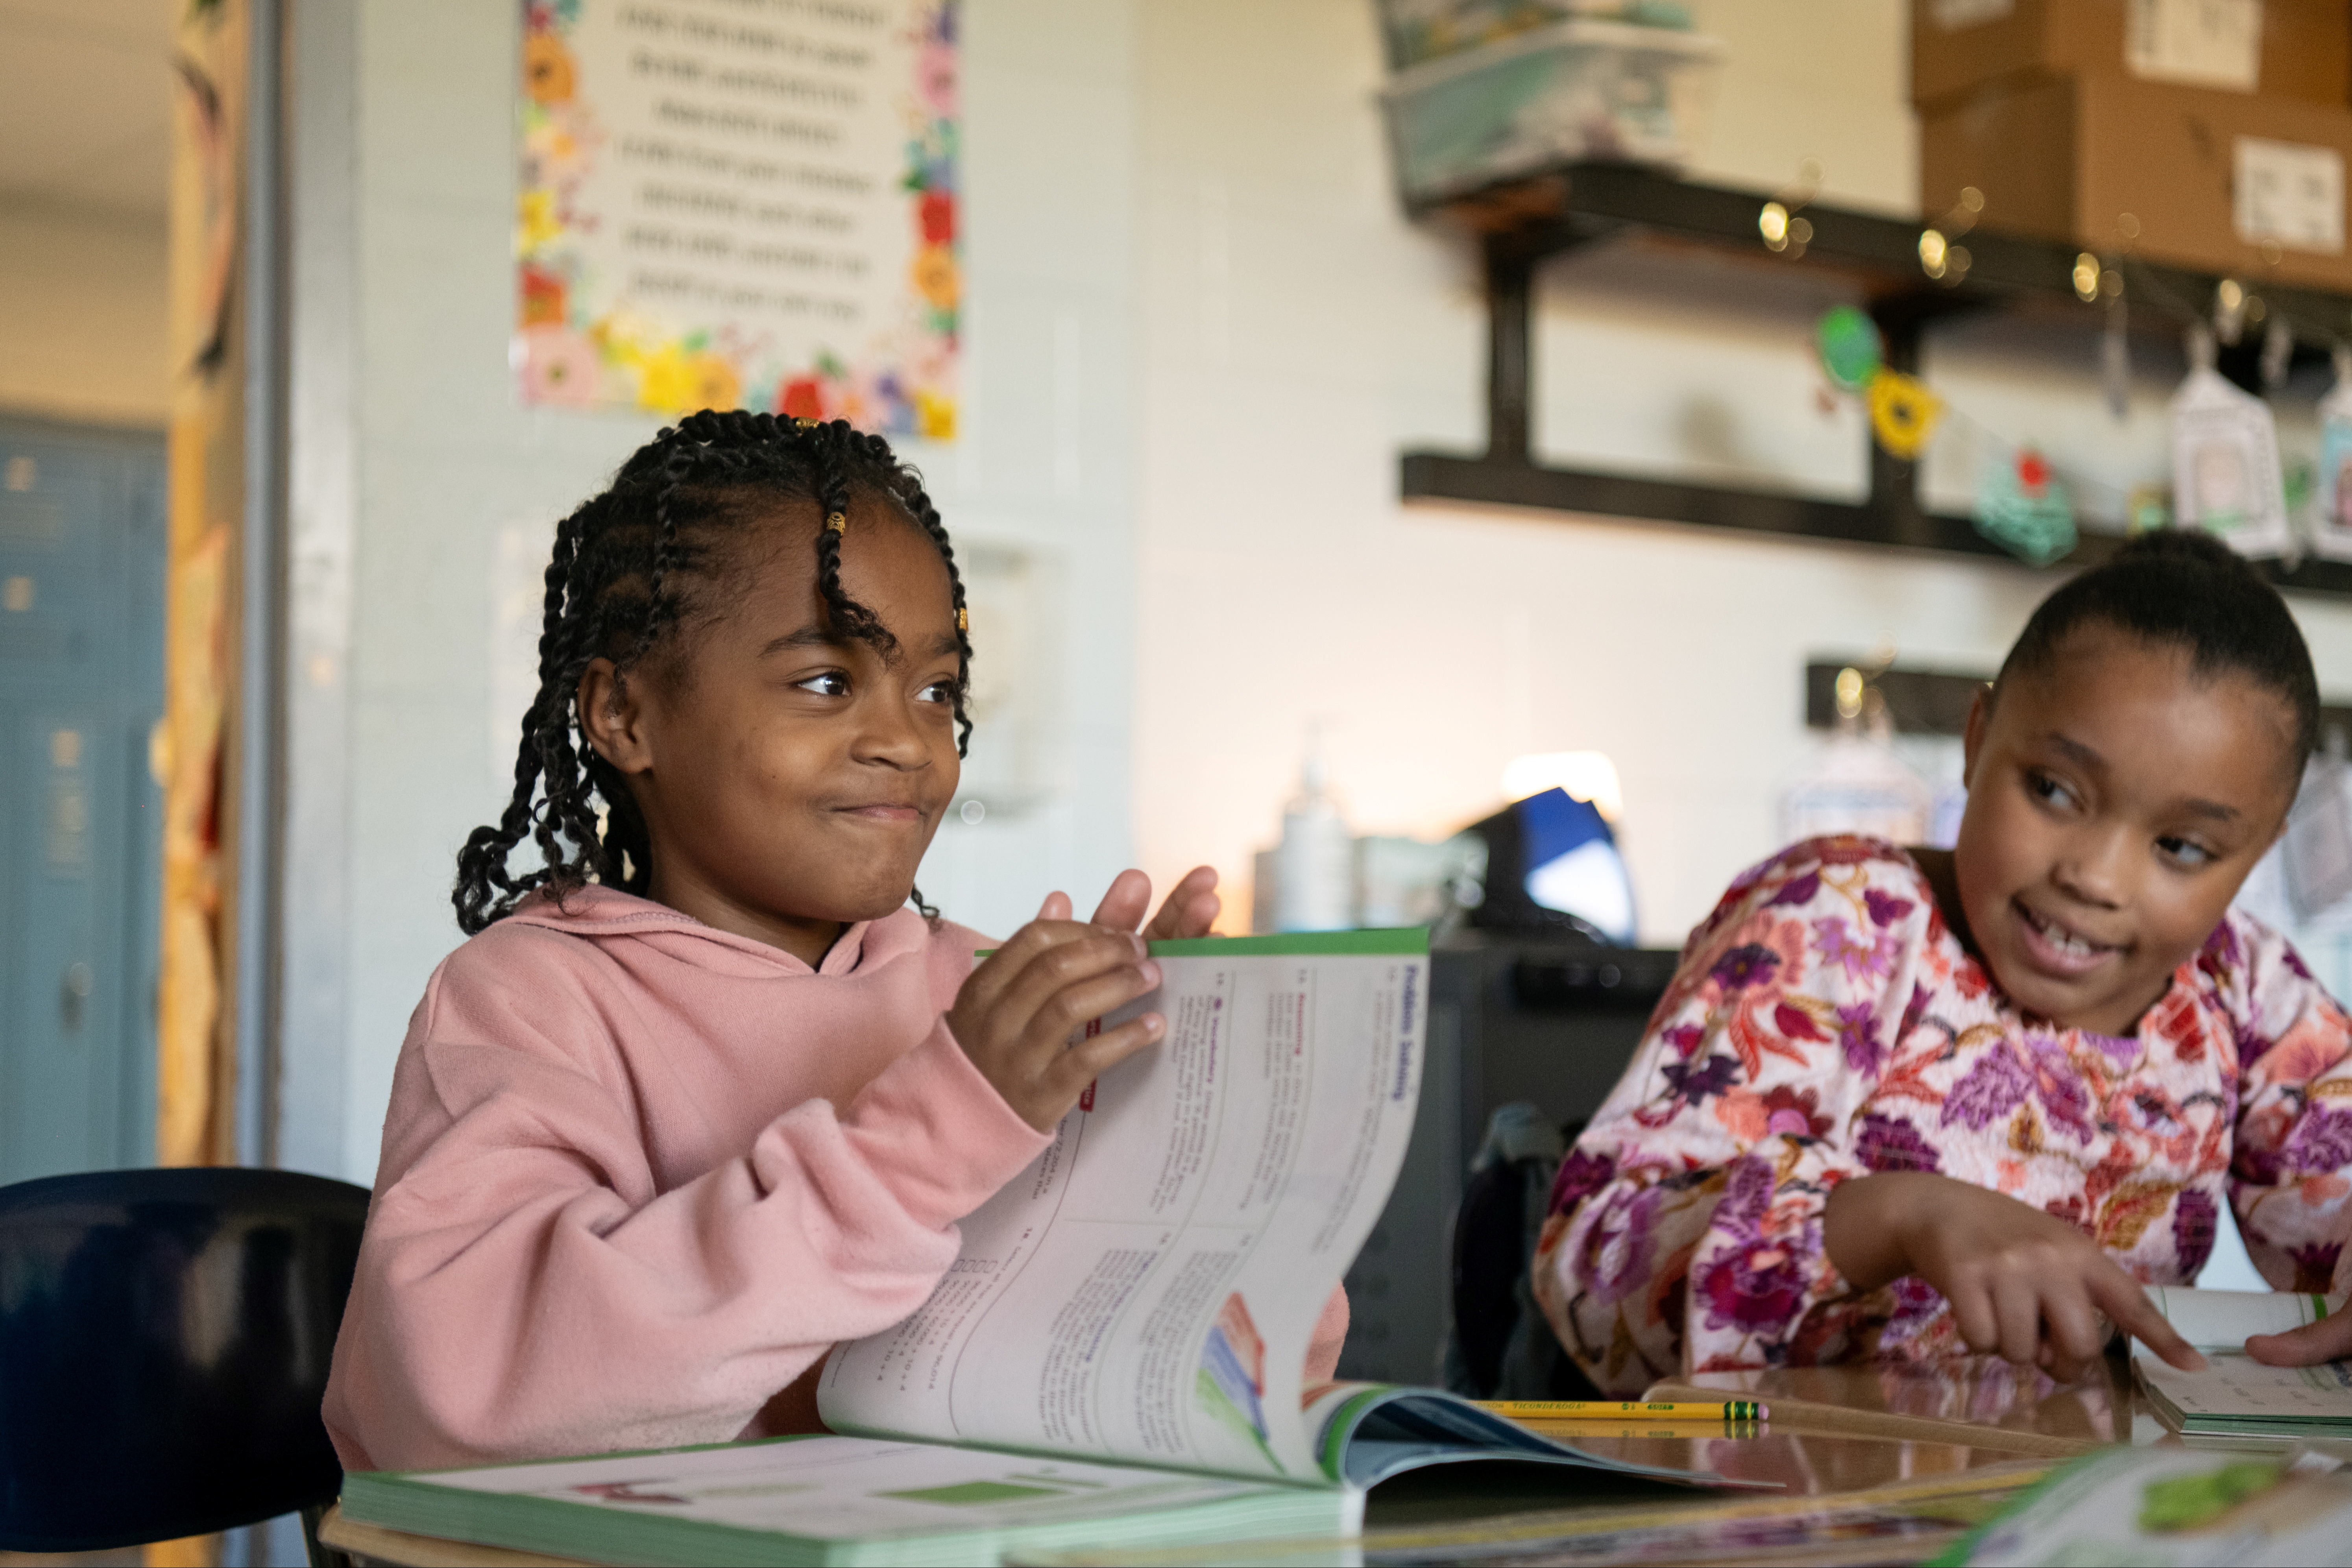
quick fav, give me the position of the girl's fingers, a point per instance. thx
(1972, 1315)
(1125, 902)
(2074, 1331)
(1089, 1060)
(1054, 970)
(986, 987)
(2017, 1307)
(1192, 908)
(1077, 1004)
(1057, 907)
(2330, 1339)
(2119, 1296)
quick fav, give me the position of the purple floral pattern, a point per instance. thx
(1685, 1227)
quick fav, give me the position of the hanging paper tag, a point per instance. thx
(2331, 534)
(2225, 465)
(1849, 347)
(1902, 413)
(2024, 507)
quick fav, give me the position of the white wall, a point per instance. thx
(414, 462)
(82, 315)
(1298, 333)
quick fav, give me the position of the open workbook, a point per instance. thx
(1116, 1354)
(2237, 1395)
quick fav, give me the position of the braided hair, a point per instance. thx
(614, 591)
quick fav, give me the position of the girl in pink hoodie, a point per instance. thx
(702, 1097)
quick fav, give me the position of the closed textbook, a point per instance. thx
(1114, 1355)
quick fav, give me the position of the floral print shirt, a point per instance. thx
(1825, 1024)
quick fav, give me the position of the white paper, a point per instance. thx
(2224, 1319)
(2204, 43)
(2225, 465)
(2291, 192)
(1952, 16)
(1146, 1290)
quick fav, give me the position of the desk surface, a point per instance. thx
(1976, 1424)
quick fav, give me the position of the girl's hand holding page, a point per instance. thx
(1016, 1012)
(1192, 908)
(2020, 1282)
(2328, 1339)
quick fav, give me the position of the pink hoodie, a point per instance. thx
(638, 1174)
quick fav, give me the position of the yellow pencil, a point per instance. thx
(1616, 1410)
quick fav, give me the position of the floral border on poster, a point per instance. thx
(564, 357)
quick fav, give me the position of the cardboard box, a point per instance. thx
(2218, 181)
(2276, 48)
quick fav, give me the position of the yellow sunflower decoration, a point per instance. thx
(1902, 413)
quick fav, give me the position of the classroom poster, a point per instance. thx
(741, 203)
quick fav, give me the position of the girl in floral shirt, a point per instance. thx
(1903, 1103)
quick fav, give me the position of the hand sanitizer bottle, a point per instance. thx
(1314, 866)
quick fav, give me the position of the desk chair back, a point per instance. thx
(165, 1338)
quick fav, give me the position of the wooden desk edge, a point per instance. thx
(1806, 1416)
(378, 1544)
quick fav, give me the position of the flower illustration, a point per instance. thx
(1890, 1143)
(542, 298)
(1992, 1089)
(1857, 1034)
(1792, 1113)
(935, 78)
(935, 277)
(560, 366)
(549, 75)
(1861, 954)
(1580, 1176)
(536, 223)
(936, 216)
(2194, 1222)
(1619, 1244)
(1751, 965)
(1695, 1083)
(2322, 1142)
(713, 382)
(667, 382)
(1884, 907)
(800, 397)
(1753, 1286)
(935, 416)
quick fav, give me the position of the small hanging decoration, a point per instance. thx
(1902, 413)
(2226, 477)
(2148, 508)
(2331, 534)
(1851, 349)
(2024, 507)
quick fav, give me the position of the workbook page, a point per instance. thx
(2225, 1319)
(1147, 1289)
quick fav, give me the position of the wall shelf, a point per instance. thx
(1520, 225)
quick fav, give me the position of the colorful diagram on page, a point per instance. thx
(1233, 1373)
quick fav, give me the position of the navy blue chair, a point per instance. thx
(165, 1338)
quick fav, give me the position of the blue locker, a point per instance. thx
(82, 554)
